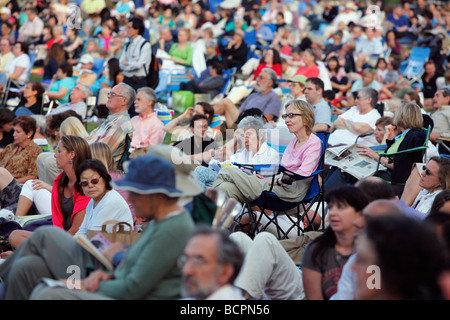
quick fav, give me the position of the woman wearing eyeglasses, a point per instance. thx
(65, 203)
(408, 119)
(431, 178)
(301, 156)
(94, 181)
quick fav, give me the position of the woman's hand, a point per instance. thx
(187, 114)
(337, 111)
(366, 151)
(391, 131)
(38, 185)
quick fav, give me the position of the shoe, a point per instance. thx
(7, 214)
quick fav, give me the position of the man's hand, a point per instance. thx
(92, 282)
(114, 248)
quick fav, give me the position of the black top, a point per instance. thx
(34, 108)
(189, 147)
(404, 162)
(7, 139)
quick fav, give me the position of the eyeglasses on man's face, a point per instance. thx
(113, 95)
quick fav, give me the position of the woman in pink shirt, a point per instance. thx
(301, 156)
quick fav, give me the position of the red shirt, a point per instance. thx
(309, 72)
(275, 67)
(80, 203)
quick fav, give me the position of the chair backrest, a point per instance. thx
(364, 135)
(98, 66)
(315, 186)
(417, 59)
(250, 37)
(164, 115)
(279, 138)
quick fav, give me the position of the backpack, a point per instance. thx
(152, 74)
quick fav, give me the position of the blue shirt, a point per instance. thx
(69, 83)
(400, 22)
(322, 112)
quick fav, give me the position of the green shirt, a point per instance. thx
(183, 54)
(150, 270)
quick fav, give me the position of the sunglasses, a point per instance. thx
(290, 115)
(427, 171)
(84, 184)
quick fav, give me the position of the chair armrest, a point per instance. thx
(393, 154)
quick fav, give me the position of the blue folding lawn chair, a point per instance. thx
(415, 67)
(271, 206)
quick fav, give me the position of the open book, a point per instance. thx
(95, 246)
(346, 158)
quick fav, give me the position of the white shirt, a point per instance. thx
(21, 61)
(227, 292)
(345, 136)
(112, 207)
(138, 57)
(424, 201)
(265, 155)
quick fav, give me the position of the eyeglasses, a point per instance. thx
(196, 261)
(113, 94)
(260, 78)
(290, 115)
(427, 171)
(94, 181)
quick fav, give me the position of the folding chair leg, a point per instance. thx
(249, 225)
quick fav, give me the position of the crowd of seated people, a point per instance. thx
(284, 83)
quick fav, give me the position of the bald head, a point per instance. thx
(382, 207)
(376, 188)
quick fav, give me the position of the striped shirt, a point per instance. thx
(113, 132)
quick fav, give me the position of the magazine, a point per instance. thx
(96, 245)
(346, 158)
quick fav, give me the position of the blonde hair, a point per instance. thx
(408, 115)
(72, 126)
(102, 152)
(306, 110)
(188, 33)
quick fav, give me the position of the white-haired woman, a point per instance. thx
(252, 134)
(301, 156)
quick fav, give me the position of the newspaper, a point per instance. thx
(347, 159)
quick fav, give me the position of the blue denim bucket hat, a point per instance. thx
(149, 175)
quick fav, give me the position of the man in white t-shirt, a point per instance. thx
(358, 120)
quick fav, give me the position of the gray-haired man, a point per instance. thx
(148, 130)
(117, 126)
(264, 98)
(77, 102)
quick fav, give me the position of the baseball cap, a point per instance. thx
(299, 79)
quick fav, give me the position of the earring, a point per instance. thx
(70, 161)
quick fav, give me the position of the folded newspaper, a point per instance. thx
(346, 158)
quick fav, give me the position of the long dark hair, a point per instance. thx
(82, 152)
(114, 69)
(276, 56)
